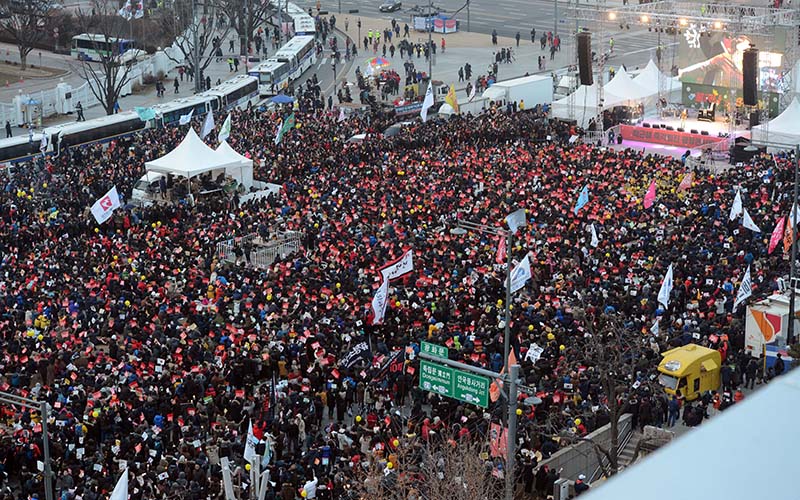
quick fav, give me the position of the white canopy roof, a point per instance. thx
(244, 172)
(648, 79)
(585, 102)
(190, 158)
(623, 85)
(784, 128)
(225, 151)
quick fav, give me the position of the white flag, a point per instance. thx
(748, 222)
(250, 444)
(121, 489)
(745, 289)
(666, 288)
(427, 103)
(472, 93)
(379, 303)
(794, 216)
(105, 206)
(595, 239)
(534, 353)
(736, 208)
(401, 267)
(43, 143)
(186, 119)
(654, 328)
(521, 274)
(516, 220)
(341, 115)
(225, 130)
(139, 13)
(208, 125)
(126, 9)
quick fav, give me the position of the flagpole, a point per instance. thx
(792, 270)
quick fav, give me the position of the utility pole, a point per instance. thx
(555, 18)
(792, 267)
(196, 49)
(44, 411)
(430, 42)
(468, 29)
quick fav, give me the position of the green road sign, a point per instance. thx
(471, 388)
(456, 384)
(436, 378)
(434, 350)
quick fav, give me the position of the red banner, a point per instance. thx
(667, 137)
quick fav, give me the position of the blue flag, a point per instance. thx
(145, 114)
(583, 199)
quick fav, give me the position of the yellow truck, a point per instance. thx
(689, 371)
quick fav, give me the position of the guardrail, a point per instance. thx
(261, 254)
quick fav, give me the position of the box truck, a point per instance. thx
(535, 89)
(767, 325)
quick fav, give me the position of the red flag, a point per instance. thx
(777, 234)
(650, 197)
(686, 182)
(500, 258)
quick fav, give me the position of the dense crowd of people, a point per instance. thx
(155, 356)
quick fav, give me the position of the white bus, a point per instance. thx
(304, 24)
(300, 53)
(235, 93)
(92, 47)
(273, 77)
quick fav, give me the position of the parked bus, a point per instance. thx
(235, 93)
(92, 47)
(300, 53)
(273, 76)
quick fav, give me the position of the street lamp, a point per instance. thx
(792, 265)
(43, 408)
(512, 371)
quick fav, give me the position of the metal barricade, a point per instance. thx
(262, 254)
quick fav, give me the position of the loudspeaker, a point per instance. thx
(585, 58)
(646, 125)
(704, 132)
(754, 119)
(681, 129)
(663, 126)
(694, 131)
(669, 127)
(750, 76)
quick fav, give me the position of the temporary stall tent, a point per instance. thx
(649, 79)
(585, 104)
(784, 128)
(244, 175)
(191, 158)
(623, 85)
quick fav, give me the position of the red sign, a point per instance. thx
(667, 137)
(106, 203)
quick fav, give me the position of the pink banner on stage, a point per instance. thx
(667, 137)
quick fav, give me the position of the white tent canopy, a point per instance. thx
(784, 128)
(190, 158)
(585, 104)
(244, 174)
(649, 79)
(623, 85)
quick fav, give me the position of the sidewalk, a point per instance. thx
(463, 47)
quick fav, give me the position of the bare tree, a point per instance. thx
(452, 470)
(618, 357)
(182, 24)
(246, 16)
(108, 76)
(24, 21)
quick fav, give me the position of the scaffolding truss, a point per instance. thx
(747, 19)
(672, 17)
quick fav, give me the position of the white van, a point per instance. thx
(147, 189)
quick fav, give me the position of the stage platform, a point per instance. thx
(713, 128)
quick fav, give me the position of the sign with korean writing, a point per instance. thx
(471, 388)
(434, 350)
(456, 384)
(436, 378)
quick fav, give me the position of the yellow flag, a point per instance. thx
(451, 99)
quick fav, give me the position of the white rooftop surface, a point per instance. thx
(750, 451)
